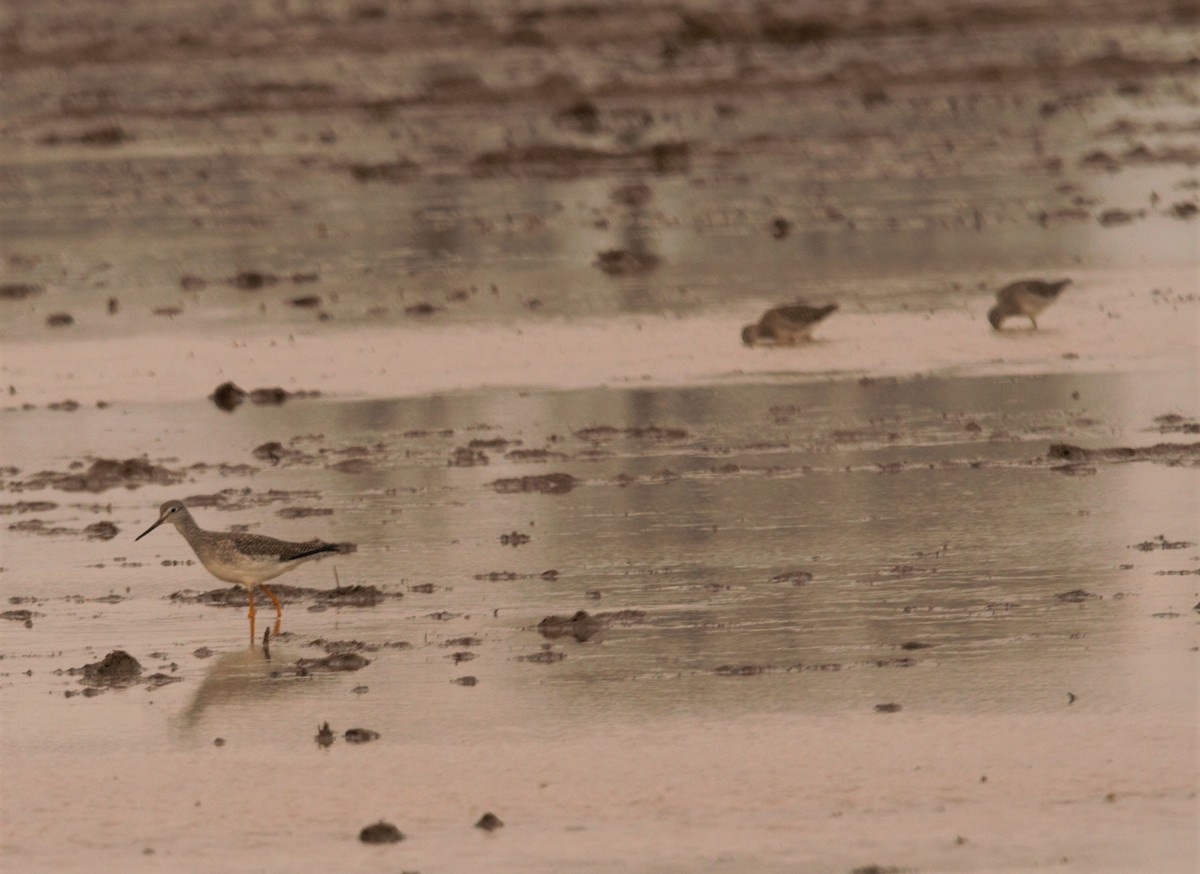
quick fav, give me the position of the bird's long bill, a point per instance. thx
(151, 528)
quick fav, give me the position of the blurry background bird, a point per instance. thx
(786, 325)
(1025, 298)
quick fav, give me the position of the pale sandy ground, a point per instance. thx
(1107, 323)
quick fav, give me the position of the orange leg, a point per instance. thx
(274, 600)
(250, 595)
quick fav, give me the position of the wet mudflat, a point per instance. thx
(829, 625)
(466, 289)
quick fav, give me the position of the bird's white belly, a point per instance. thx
(246, 571)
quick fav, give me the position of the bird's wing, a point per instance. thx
(798, 313)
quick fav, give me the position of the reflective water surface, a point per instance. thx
(798, 555)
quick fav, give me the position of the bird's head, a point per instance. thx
(172, 511)
(749, 334)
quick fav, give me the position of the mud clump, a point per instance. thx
(515, 538)
(101, 531)
(489, 822)
(381, 833)
(601, 433)
(227, 396)
(465, 456)
(252, 280)
(622, 262)
(583, 625)
(1162, 453)
(340, 661)
(60, 320)
(1161, 542)
(107, 473)
(116, 670)
(27, 507)
(890, 707)
(360, 735)
(393, 171)
(110, 135)
(741, 670)
(796, 578)
(345, 596)
(545, 656)
(1076, 596)
(547, 484)
(18, 290)
(324, 736)
(1172, 423)
(302, 512)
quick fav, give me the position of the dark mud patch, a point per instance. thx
(334, 647)
(104, 474)
(19, 615)
(360, 735)
(18, 290)
(21, 507)
(1173, 423)
(465, 456)
(1161, 542)
(489, 822)
(583, 625)
(535, 455)
(302, 512)
(324, 736)
(558, 161)
(624, 262)
(1160, 453)
(508, 576)
(110, 135)
(602, 433)
(796, 578)
(1076, 596)
(547, 484)
(402, 170)
(462, 641)
(117, 670)
(237, 596)
(229, 396)
(381, 833)
(514, 538)
(754, 670)
(334, 663)
(544, 656)
(245, 498)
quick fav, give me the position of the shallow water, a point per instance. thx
(912, 526)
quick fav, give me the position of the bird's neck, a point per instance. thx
(187, 526)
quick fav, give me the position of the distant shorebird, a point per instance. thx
(1025, 298)
(786, 325)
(246, 559)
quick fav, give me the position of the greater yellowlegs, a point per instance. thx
(1025, 298)
(786, 325)
(246, 559)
